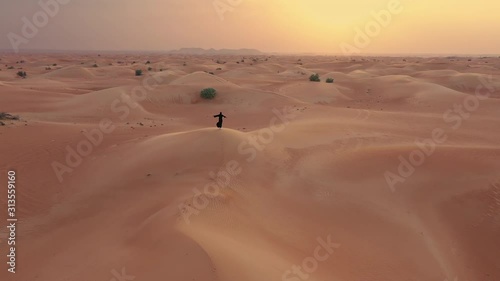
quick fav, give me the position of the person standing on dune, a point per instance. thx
(220, 115)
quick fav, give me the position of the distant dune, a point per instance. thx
(201, 52)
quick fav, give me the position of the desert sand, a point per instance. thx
(390, 173)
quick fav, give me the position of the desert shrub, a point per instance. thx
(148, 62)
(10, 67)
(219, 68)
(314, 78)
(95, 65)
(329, 80)
(150, 68)
(22, 74)
(208, 93)
(138, 72)
(55, 64)
(7, 116)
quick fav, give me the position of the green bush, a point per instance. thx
(22, 74)
(314, 78)
(208, 93)
(138, 72)
(329, 80)
(7, 116)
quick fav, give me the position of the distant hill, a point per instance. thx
(200, 51)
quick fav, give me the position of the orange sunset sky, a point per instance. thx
(312, 26)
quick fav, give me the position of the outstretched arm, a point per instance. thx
(224, 116)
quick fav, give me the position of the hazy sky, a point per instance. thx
(319, 26)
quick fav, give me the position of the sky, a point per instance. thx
(285, 26)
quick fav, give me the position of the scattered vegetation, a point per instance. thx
(148, 62)
(208, 93)
(22, 74)
(219, 68)
(55, 64)
(10, 67)
(329, 80)
(95, 65)
(138, 72)
(314, 78)
(7, 116)
(150, 68)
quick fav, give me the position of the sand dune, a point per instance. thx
(200, 78)
(70, 72)
(396, 164)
